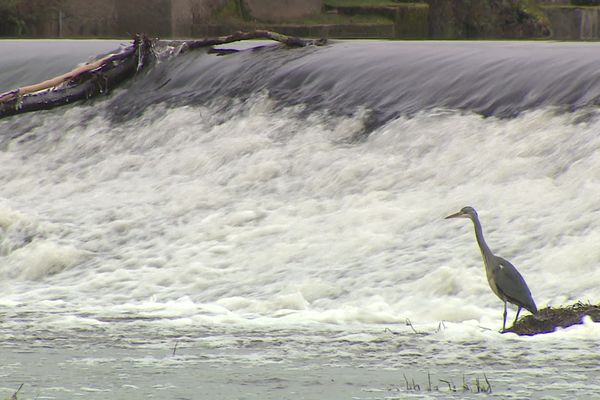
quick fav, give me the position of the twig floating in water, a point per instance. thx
(14, 396)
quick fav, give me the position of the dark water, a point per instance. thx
(387, 78)
(26, 62)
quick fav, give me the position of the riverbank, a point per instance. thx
(385, 19)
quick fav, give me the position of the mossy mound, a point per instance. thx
(549, 318)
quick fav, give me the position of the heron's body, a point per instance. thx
(504, 279)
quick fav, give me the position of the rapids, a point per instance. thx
(281, 210)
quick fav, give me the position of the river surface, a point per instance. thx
(270, 224)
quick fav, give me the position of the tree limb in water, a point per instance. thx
(102, 75)
(290, 41)
(81, 83)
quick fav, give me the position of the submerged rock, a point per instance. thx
(548, 319)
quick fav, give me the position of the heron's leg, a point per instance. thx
(517, 317)
(504, 322)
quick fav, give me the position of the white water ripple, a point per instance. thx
(225, 232)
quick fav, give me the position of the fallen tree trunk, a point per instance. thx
(100, 76)
(549, 319)
(81, 83)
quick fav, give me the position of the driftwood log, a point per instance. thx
(102, 75)
(81, 83)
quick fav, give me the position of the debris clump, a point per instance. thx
(549, 318)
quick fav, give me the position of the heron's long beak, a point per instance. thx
(459, 214)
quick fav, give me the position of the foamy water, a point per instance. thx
(282, 251)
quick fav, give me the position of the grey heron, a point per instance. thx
(504, 279)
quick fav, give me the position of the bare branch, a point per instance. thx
(290, 41)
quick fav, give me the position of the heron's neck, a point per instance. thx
(485, 250)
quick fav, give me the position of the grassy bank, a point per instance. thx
(362, 3)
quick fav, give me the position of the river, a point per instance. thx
(270, 224)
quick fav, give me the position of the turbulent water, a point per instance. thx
(269, 224)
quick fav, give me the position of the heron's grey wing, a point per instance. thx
(512, 285)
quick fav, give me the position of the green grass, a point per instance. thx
(230, 12)
(571, 6)
(320, 19)
(585, 2)
(330, 19)
(364, 3)
(477, 385)
(531, 7)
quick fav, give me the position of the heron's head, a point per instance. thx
(465, 212)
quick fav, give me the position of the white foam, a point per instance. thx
(39, 260)
(274, 216)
